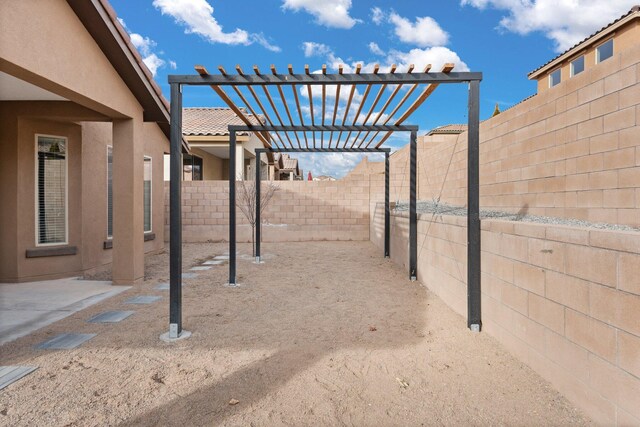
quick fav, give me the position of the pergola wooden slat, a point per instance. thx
(370, 124)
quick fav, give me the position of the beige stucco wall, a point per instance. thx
(211, 165)
(87, 194)
(44, 42)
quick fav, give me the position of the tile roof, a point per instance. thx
(212, 121)
(633, 10)
(448, 129)
(288, 162)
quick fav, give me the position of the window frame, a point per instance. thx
(559, 71)
(66, 191)
(150, 194)
(572, 73)
(109, 236)
(597, 50)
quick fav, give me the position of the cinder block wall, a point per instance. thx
(564, 300)
(299, 211)
(572, 151)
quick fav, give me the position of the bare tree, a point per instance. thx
(246, 202)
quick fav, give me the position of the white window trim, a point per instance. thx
(66, 191)
(150, 197)
(571, 72)
(597, 51)
(109, 237)
(551, 74)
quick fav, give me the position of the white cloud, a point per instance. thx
(145, 47)
(377, 16)
(566, 22)
(424, 32)
(262, 41)
(197, 17)
(173, 65)
(375, 49)
(333, 164)
(436, 56)
(315, 49)
(330, 13)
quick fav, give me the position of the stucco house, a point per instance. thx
(83, 132)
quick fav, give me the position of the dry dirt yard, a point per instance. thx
(322, 333)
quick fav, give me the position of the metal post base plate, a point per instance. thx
(475, 327)
(173, 335)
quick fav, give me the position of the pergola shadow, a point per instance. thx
(271, 136)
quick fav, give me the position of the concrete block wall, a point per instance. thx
(571, 151)
(299, 211)
(564, 300)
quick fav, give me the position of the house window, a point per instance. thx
(554, 78)
(191, 168)
(51, 191)
(604, 51)
(147, 194)
(577, 66)
(109, 191)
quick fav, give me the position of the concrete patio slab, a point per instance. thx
(11, 374)
(65, 341)
(200, 268)
(213, 262)
(27, 307)
(142, 299)
(110, 317)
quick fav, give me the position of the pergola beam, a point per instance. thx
(328, 79)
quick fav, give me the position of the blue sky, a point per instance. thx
(504, 39)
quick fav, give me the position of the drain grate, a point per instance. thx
(11, 374)
(64, 341)
(142, 299)
(110, 317)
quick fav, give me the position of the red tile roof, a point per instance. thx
(213, 121)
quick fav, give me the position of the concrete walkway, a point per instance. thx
(27, 307)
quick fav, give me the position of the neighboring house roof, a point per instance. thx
(601, 33)
(212, 121)
(324, 178)
(101, 21)
(287, 163)
(453, 129)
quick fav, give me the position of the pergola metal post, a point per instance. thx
(474, 321)
(413, 216)
(258, 201)
(175, 207)
(232, 207)
(387, 219)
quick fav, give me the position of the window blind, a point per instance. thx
(109, 191)
(52, 190)
(147, 194)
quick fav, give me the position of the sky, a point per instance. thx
(503, 39)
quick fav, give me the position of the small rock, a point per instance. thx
(233, 402)
(373, 328)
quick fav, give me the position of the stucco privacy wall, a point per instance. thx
(565, 300)
(571, 151)
(299, 211)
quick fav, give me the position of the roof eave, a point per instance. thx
(101, 22)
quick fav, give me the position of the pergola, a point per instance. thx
(351, 123)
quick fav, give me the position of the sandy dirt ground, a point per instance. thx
(322, 333)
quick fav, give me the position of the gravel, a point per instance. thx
(438, 208)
